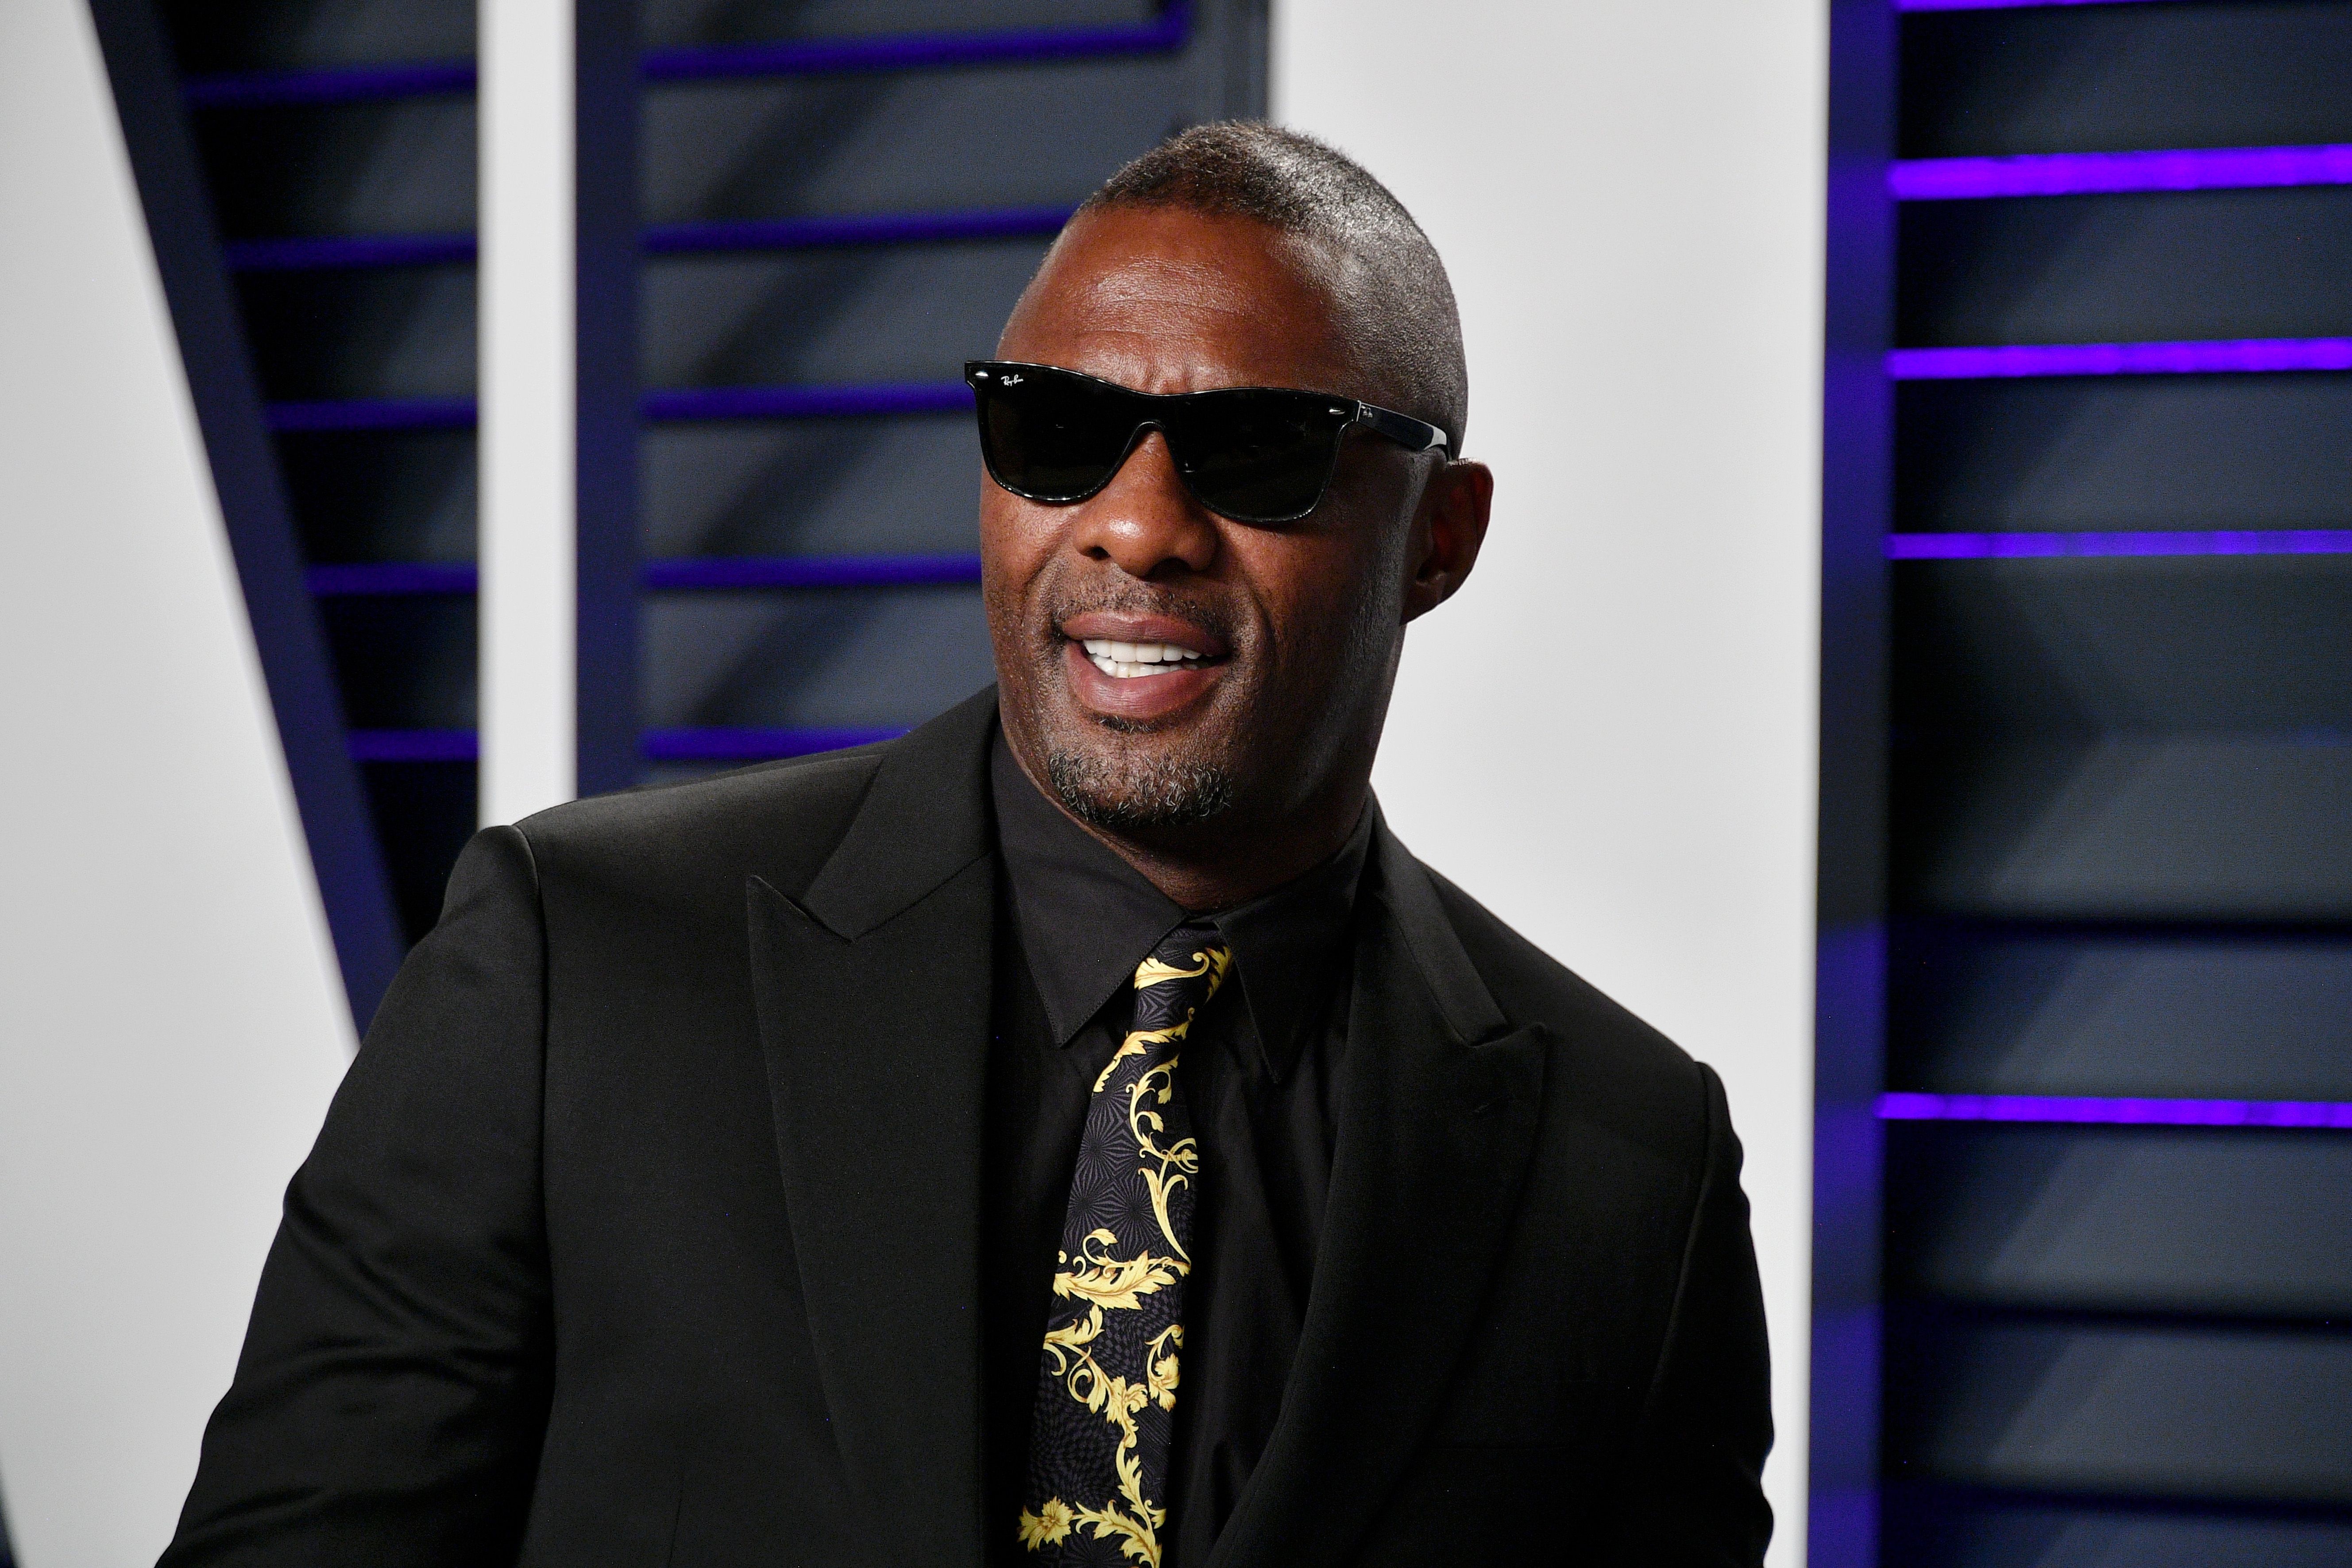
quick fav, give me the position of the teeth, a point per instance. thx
(1126, 660)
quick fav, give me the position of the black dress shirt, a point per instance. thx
(1259, 1077)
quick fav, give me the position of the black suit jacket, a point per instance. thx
(644, 1228)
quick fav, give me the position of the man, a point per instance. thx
(1079, 1132)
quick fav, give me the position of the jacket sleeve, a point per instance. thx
(390, 1400)
(1694, 1497)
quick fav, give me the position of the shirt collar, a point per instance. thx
(1088, 918)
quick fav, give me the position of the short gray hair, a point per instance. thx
(1296, 185)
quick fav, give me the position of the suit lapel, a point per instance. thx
(873, 997)
(1437, 1120)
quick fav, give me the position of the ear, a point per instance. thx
(1447, 533)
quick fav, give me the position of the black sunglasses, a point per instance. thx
(1255, 454)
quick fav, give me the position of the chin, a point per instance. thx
(1130, 789)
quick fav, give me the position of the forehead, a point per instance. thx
(1168, 299)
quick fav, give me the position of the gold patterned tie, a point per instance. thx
(1107, 1386)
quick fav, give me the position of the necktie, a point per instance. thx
(1106, 1383)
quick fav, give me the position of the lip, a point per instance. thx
(1143, 698)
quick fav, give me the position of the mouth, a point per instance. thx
(1139, 669)
(1140, 660)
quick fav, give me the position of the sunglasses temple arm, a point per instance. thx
(1412, 435)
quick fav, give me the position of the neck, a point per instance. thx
(1216, 867)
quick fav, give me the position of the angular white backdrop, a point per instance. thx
(172, 1022)
(1608, 737)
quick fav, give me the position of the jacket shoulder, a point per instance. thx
(1625, 1072)
(779, 821)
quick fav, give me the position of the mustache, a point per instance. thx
(1126, 596)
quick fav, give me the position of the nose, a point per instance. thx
(1145, 522)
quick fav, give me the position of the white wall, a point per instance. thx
(529, 529)
(170, 1019)
(1608, 737)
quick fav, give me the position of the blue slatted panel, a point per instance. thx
(804, 398)
(2117, 1189)
(840, 199)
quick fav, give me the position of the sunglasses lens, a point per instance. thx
(1048, 434)
(1259, 455)
(1255, 455)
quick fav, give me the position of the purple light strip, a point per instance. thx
(719, 745)
(694, 404)
(353, 252)
(912, 51)
(700, 745)
(2013, 546)
(2077, 174)
(809, 402)
(811, 571)
(916, 51)
(390, 578)
(414, 745)
(363, 84)
(2079, 1108)
(373, 413)
(2207, 357)
(881, 229)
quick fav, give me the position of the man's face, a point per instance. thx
(1285, 636)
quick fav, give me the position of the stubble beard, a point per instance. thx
(1123, 791)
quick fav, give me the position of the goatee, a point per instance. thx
(1128, 793)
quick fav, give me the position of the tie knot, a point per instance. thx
(1184, 969)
